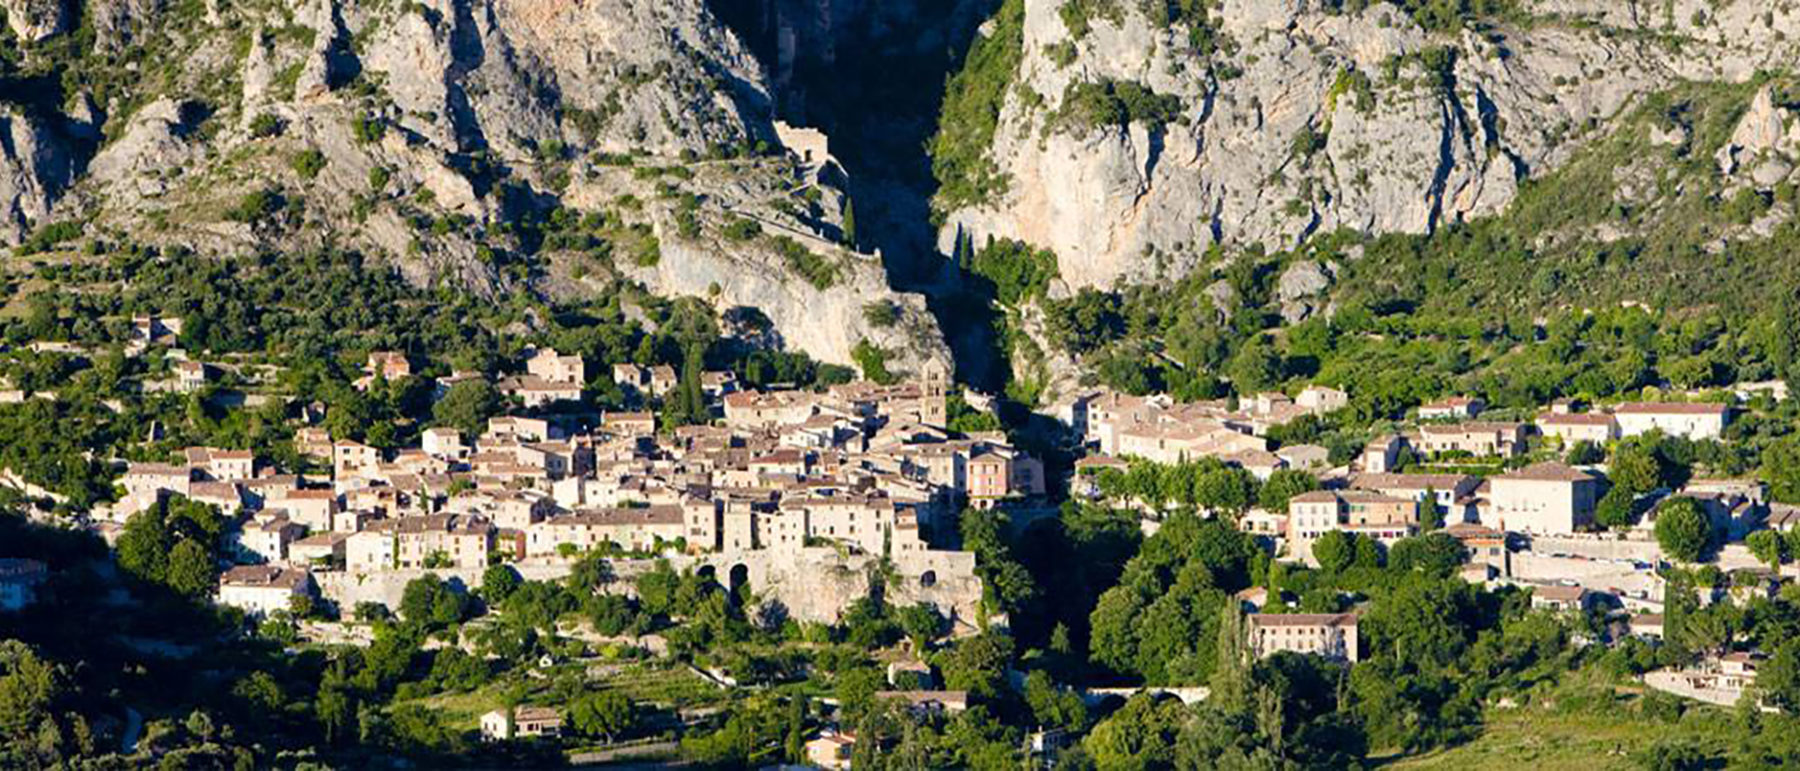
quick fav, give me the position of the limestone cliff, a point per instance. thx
(1131, 144)
(445, 135)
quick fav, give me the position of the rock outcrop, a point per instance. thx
(427, 132)
(1305, 121)
(35, 166)
(35, 20)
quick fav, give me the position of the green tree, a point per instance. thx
(850, 224)
(467, 406)
(1768, 546)
(191, 569)
(430, 603)
(977, 664)
(1335, 551)
(29, 688)
(334, 708)
(143, 547)
(1682, 529)
(1141, 735)
(1585, 453)
(1231, 678)
(921, 623)
(1434, 553)
(499, 582)
(1255, 367)
(1781, 468)
(1282, 486)
(1419, 622)
(1006, 584)
(1778, 679)
(590, 574)
(1617, 509)
(1229, 490)
(604, 715)
(1054, 706)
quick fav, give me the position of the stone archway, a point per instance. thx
(739, 577)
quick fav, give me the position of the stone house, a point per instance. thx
(1690, 420)
(1320, 400)
(313, 442)
(1448, 492)
(263, 589)
(663, 380)
(1543, 498)
(1484, 546)
(1330, 635)
(459, 540)
(1646, 625)
(523, 723)
(1382, 455)
(1572, 427)
(517, 428)
(1312, 515)
(1304, 456)
(310, 508)
(1482, 440)
(191, 376)
(148, 479)
(266, 538)
(1261, 464)
(320, 548)
(552, 367)
(353, 459)
(629, 423)
(533, 391)
(221, 465)
(388, 365)
(1453, 408)
(831, 750)
(770, 409)
(1561, 598)
(637, 529)
(443, 442)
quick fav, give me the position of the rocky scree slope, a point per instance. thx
(1131, 137)
(553, 147)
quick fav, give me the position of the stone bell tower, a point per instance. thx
(934, 390)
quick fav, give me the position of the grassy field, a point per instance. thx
(642, 683)
(1547, 739)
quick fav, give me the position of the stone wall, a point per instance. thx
(1731, 557)
(814, 584)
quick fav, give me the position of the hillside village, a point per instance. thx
(1088, 385)
(783, 479)
(777, 488)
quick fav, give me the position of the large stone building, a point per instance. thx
(1382, 517)
(1331, 635)
(450, 540)
(1481, 440)
(1446, 491)
(1572, 427)
(631, 528)
(1544, 498)
(1690, 420)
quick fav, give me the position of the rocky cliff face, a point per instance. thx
(429, 132)
(1304, 120)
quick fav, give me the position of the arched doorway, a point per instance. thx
(740, 577)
